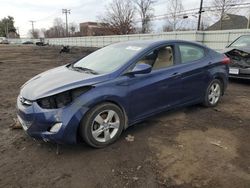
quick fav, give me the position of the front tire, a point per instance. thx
(213, 93)
(102, 125)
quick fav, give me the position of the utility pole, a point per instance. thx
(248, 23)
(32, 24)
(199, 18)
(66, 12)
(17, 31)
(7, 29)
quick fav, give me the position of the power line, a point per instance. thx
(188, 11)
(195, 11)
(49, 16)
(182, 14)
(57, 11)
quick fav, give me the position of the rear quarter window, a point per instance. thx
(190, 53)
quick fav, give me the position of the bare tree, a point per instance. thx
(73, 28)
(145, 9)
(59, 27)
(119, 17)
(57, 30)
(204, 25)
(223, 7)
(174, 8)
(167, 28)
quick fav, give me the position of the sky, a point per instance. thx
(43, 12)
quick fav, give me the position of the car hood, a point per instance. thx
(57, 80)
(243, 49)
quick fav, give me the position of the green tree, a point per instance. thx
(6, 26)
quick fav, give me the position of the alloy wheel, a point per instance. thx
(214, 93)
(105, 126)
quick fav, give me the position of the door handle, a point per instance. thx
(176, 74)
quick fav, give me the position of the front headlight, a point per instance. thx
(62, 99)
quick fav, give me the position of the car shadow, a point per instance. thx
(239, 81)
(140, 131)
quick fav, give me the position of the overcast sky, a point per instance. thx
(44, 11)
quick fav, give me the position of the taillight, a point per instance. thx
(226, 60)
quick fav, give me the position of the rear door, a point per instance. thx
(193, 64)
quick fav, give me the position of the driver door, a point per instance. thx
(160, 89)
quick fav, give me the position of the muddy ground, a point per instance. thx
(188, 147)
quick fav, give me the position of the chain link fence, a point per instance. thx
(213, 39)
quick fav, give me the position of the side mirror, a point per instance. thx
(141, 68)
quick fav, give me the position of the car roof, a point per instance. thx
(156, 42)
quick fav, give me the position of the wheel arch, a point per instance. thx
(222, 80)
(121, 107)
(98, 102)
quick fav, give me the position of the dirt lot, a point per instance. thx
(189, 147)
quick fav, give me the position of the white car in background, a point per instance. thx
(4, 40)
(239, 53)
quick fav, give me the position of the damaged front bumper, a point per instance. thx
(50, 125)
(240, 63)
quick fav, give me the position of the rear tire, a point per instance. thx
(213, 93)
(102, 125)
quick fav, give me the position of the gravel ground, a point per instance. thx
(187, 147)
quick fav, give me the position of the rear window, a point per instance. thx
(190, 53)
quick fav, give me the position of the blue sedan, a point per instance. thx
(100, 95)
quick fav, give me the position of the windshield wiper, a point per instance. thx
(85, 70)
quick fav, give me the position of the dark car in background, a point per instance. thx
(100, 95)
(28, 42)
(239, 53)
(41, 43)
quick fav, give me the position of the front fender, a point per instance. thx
(97, 95)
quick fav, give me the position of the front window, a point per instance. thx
(159, 58)
(243, 41)
(109, 59)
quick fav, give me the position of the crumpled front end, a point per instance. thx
(240, 63)
(51, 125)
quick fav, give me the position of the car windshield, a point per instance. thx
(243, 41)
(108, 59)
